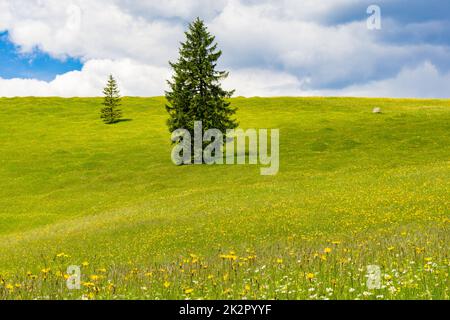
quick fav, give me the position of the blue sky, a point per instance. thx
(270, 47)
(32, 65)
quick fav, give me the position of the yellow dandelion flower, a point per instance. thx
(94, 277)
(88, 284)
(227, 291)
(167, 284)
(419, 250)
(188, 290)
(229, 256)
(327, 250)
(194, 257)
(134, 271)
(310, 276)
(85, 264)
(62, 255)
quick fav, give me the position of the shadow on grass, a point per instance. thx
(124, 120)
(120, 120)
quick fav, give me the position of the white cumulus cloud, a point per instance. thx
(283, 47)
(135, 79)
(424, 81)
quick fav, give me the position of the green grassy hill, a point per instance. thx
(354, 189)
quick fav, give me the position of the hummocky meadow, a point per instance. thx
(354, 189)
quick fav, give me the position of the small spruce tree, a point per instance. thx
(111, 113)
(195, 90)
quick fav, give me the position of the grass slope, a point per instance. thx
(354, 189)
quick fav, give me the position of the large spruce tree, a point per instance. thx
(195, 90)
(110, 112)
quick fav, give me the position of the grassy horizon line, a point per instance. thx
(239, 97)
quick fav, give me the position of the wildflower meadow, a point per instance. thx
(354, 189)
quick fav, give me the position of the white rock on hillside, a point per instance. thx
(376, 110)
